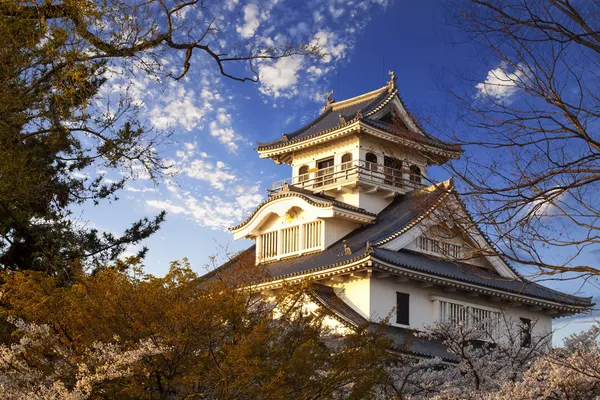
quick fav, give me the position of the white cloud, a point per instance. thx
(180, 108)
(500, 84)
(280, 78)
(545, 204)
(142, 190)
(216, 212)
(217, 174)
(167, 206)
(251, 21)
(190, 146)
(221, 128)
(328, 41)
(336, 12)
(230, 4)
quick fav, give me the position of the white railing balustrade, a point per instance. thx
(353, 171)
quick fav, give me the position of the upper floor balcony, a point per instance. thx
(369, 176)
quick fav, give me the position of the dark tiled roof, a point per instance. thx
(410, 135)
(399, 216)
(403, 211)
(327, 120)
(326, 298)
(472, 274)
(312, 198)
(408, 341)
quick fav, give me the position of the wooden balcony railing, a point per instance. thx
(353, 171)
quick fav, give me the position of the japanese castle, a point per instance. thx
(358, 219)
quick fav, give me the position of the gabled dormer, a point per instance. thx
(362, 151)
(294, 222)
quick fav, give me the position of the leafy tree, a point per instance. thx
(216, 340)
(116, 334)
(54, 128)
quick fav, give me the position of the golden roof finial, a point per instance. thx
(392, 82)
(329, 100)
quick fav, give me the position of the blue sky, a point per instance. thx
(215, 121)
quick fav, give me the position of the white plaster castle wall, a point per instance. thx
(356, 293)
(337, 149)
(382, 301)
(373, 202)
(309, 306)
(335, 229)
(381, 148)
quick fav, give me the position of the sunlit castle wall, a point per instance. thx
(375, 299)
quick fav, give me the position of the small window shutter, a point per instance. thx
(402, 308)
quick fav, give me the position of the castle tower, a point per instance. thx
(360, 220)
(347, 165)
(361, 151)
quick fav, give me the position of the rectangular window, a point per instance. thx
(325, 172)
(312, 235)
(268, 245)
(525, 332)
(393, 171)
(402, 303)
(469, 315)
(290, 239)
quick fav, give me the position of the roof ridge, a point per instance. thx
(356, 99)
(447, 186)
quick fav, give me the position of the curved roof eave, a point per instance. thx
(321, 203)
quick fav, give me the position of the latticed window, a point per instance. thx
(436, 246)
(371, 160)
(312, 235)
(286, 241)
(290, 240)
(346, 161)
(415, 174)
(488, 319)
(268, 245)
(303, 174)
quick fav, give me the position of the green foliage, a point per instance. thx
(49, 135)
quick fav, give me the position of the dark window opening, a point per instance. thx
(415, 174)
(387, 118)
(525, 332)
(402, 302)
(371, 160)
(392, 169)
